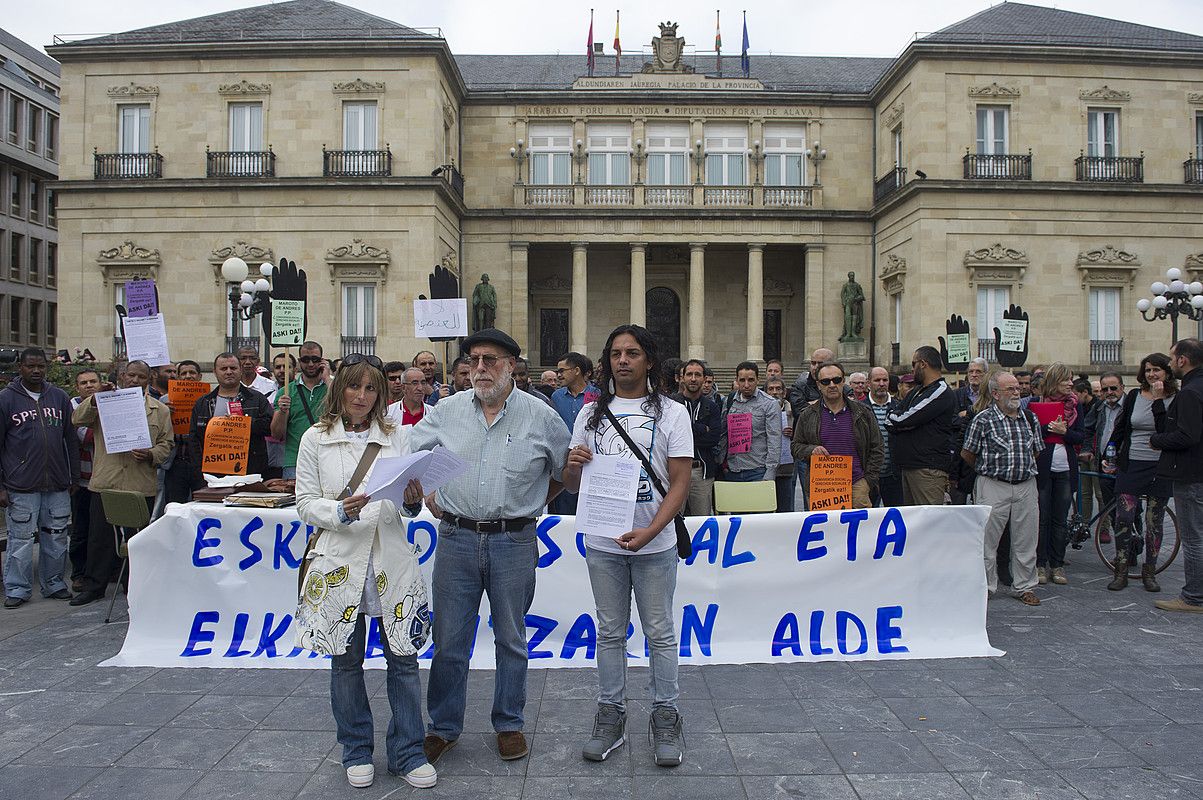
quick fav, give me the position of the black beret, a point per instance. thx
(492, 336)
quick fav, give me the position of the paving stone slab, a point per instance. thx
(859, 752)
(139, 782)
(907, 786)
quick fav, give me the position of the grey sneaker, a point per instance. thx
(664, 728)
(609, 733)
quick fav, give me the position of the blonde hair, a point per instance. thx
(1050, 384)
(332, 409)
(984, 395)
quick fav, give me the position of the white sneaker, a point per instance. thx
(361, 775)
(423, 777)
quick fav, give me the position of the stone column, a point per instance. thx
(755, 334)
(518, 324)
(578, 323)
(697, 300)
(813, 287)
(639, 283)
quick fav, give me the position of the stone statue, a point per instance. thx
(852, 296)
(484, 304)
(667, 49)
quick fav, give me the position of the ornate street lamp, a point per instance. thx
(248, 298)
(1173, 300)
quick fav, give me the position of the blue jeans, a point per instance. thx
(467, 564)
(745, 475)
(353, 715)
(653, 578)
(43, 516)
(1055, 497)
(1188, 505)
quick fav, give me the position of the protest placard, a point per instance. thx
(739, 433)
(830, 482)
(141, 299)
(1013, 334)
(146, 340)
(227, 443)
(123, 420)
(183, 396)
(288, 323)
(436, 319)
(958, 348)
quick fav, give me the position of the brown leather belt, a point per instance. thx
(489, 525)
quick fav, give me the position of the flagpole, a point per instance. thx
(589, 45)
(718, 43)
(617, 43)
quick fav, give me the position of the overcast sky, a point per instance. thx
(843, 27)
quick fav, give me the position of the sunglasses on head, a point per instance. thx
(828, 381)
(356, 358)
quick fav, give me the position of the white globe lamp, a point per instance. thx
(234, 270)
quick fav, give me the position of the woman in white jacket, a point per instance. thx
(362, 566)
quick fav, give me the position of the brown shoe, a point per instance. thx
(1178, 604)
(511, 745)
(1029, 598)
(434, 747)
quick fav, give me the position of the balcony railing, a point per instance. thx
(727, 196)
(1106, 351)
(236, 343)
(118, 347)
(1193, 169)
(609, 195)
(788, 196)
(986, 349)
(455, 179)
(240, 164)
(665, 196)
(549, 195)
(1110, 169)
(357, 163)
(889, 183)
(992, 167)
(366, 345)
(110, 166)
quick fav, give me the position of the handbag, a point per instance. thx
(684, 542)
(361, 469)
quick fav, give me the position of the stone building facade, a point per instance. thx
(982, 167)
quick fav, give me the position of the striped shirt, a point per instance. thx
(835, 432)
(882, 412)
(1005, 447)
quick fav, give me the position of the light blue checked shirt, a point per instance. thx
(509, 463)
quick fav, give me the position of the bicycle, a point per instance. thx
(1081, 531)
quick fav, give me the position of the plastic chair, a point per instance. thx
(738, 497)
(124, 511)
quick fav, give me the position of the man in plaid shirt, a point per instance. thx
(1001, 445)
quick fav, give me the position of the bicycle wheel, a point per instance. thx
(1166, 523)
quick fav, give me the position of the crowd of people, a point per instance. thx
(1022, 443)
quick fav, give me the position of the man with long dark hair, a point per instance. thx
(643, 560)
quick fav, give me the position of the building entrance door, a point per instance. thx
(664, 320)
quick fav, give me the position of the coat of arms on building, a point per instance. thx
(667, 49)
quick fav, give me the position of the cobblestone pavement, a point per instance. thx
(1099, 696)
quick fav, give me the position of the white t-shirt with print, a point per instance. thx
(670, 436)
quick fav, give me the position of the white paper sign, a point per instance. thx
(435, 319)
(146, 340)
(1013, 333)
(212, 586)
(123, 420)
(606, 504)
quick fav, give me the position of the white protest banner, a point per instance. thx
(212, 586)
(1013, 335)
(435, 319)
(146, 340)
(123, 420)
(288, 322)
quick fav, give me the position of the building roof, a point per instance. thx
(485, 73)
(10, 42)
(1023, 24)
(296, 20)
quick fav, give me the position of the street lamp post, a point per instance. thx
(1173, 300)
(248, 298)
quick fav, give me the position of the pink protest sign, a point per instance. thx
(739, 433)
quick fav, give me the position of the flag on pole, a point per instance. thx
(744, 61)
(617, 43)
(718, 45)
(589, 45)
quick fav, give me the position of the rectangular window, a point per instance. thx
(991, 302)
(35, 260)
(668, 155)
(784, 155)
(15, 106)
(51, 322)
(359, 310)
(134, 128)
(52, 208)
(898, 318)
(35, 199)
(35, 320)
(726, 155)
(34, 142)
(14, 319)
(1102, 132)
(897, 138)
(16, 256)
(51, 265)
(246, 127)
(1104, 314)
(1199, 135)
(16, 193)
(51, 137)
(550, 155)
(992, 130)
(609, 155)
(359, 126)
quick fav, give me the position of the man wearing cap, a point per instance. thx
(513, 444)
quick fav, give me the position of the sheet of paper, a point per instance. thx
(140, 298)
(1013, 333)
(442, 467)
(606, 504)
(146, 340)
(739, 433)
(392, 474)
(183, 396)
(123, 420)
(958, 348)
(288, 323)
(439, 318)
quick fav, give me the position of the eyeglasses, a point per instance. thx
(356, 358)
(828, 381)
(310, 359)
(488, 362)
(1110, 389)
(396, 377)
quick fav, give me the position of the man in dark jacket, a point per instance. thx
(1180, 441)
(39, 470)
(921, 430)
(707, 420)
(232, 399)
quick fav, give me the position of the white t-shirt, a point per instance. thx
(671, 436)
(263, 385)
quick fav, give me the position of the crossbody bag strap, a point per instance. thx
(637, 451)
(308, 413)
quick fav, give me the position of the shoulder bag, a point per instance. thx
(684, 543)
(361, 469)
